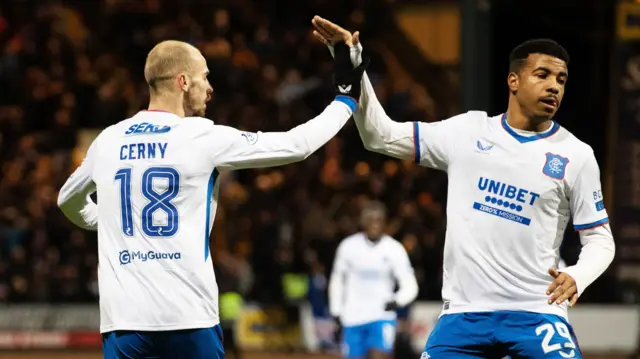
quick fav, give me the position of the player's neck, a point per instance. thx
(171, 104)
(520, 121)
(373, 240)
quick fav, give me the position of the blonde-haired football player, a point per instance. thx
(155, 177)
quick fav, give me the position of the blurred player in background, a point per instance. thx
(514, 181)
(318, 300)
(366, 268)
(155, 177)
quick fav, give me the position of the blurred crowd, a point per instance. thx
(69, 66)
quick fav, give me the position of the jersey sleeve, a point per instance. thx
(427, 144)
(74, 197)
(597, 253)
(340, 262)
(434, 142)
(378, 132)
(268, 149)
(400, 263)
(403, 272)
(586, 201)
(337, 282)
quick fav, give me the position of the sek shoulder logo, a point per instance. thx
(146, 128)
(555, 166)
(127, 257)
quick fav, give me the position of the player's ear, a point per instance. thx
(184, 82)
(513, 81)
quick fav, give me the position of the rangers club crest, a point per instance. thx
(555, 166)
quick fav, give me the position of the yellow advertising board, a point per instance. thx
(628, 20)
(266, 328)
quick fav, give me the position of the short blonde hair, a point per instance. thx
(166, 60)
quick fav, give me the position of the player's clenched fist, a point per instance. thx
(562, 288)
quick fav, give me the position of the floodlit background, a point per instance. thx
(70, 68)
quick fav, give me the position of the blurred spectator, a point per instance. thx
(317, 296)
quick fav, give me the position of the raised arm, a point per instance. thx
(379, 133)
(266, 149)
(74, 197)
(428, 144)
(269, 149)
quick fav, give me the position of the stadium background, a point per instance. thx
(71, 68)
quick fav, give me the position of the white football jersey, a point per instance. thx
(369, 272)
(155, 176)
(510, 197)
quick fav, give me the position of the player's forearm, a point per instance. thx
(309, 137)
(280, 148)
(378, 132)
(407, 291)
(598, 250)
(79, 209)
(74, 198)
(336, 290)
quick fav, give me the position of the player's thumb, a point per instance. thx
(356, 38)
(553, 272)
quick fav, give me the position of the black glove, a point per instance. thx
(346, 79)
(389, 306)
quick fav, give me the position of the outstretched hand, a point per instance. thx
(562, 288)
(329, 33)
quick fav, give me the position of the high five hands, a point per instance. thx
(329, 33)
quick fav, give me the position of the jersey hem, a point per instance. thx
(394, 320)
(160, 327)
(366, 321)
(559, 310)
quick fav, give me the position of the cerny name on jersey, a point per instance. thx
(505, 200)
(141, 151)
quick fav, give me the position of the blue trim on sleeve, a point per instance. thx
(582, 227)
(416, 142)
(207, 228)
(349, 101)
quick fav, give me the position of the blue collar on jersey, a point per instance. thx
(525, 139)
